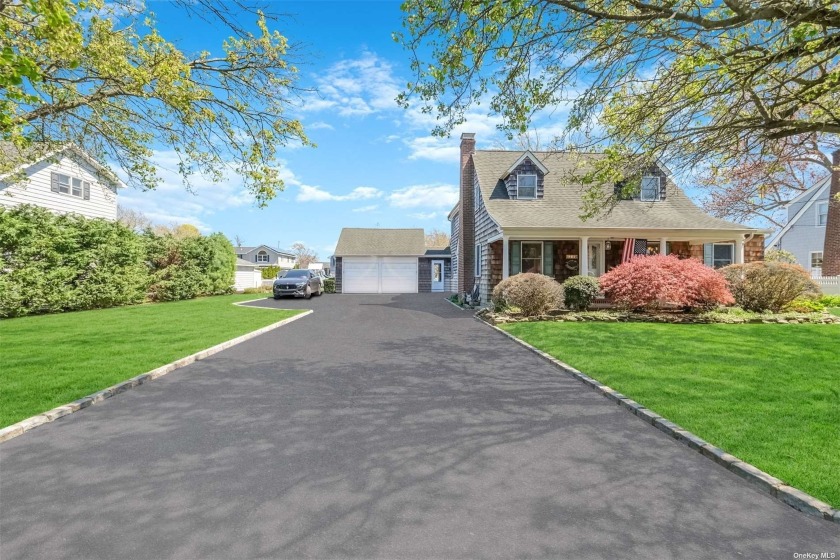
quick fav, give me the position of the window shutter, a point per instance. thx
(86, 187)
(708, 254)
(548, 259)
(617, 190)
(54, 181)
(662, 183)
(516, 258)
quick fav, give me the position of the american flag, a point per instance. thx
(633, 247)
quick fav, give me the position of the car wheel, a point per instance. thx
(320, 290)
(276, 297)
(308, 293)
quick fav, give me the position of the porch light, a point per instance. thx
(608, 245)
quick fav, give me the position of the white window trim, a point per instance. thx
(820, 205)
(478, 255)
(476, 196)
(261, 254)
(70, 179)
(536, 181)
(811, 260)
(658, 189)
(732, 260)
(522, 253)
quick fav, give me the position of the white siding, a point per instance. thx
(247, 277)
(804, 235)
(36, 190)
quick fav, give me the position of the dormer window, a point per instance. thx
(650, 188)
(526, 186)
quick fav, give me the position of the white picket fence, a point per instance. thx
(830, 284)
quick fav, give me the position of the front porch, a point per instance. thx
(593, 256)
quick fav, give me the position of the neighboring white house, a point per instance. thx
(804, 233)
(248, 275)
(263, 255)
(65, 180)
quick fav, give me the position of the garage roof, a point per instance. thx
(379, 242)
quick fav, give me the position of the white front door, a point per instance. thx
(596, 258)
(437, 276)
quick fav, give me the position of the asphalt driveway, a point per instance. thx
(377, 427)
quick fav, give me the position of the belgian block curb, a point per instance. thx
(759, 479)
(23, 426)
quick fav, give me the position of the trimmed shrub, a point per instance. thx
(768, 286)
(51, 263)
(190, 267)
(270, 272)
(830, 301)
(649, 281)
(533, 294)
(779, 255)
(805, 306)
(579, 292)
(329, 285)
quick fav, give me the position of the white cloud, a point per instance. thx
(356, 87)
(171, 202)
(426, 215)
(430, 196)
(370, 208)
(308, 193)
(320, 125)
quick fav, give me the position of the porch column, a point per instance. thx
(583, 256)
(505, 256)
(663, 246)
(739, 250)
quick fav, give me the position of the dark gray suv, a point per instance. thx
(298, 283)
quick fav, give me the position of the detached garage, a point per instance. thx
(386, 261)
(248, 275)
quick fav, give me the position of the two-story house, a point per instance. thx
(263, 255)
(63, 180)
(519, 211)
(804, 233)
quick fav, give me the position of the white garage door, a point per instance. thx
(379, 275)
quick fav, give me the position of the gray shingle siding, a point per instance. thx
(485, 228)
(453, 245)
(337, 273)
(424, 275)
(526, 167)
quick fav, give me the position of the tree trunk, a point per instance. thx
(831, 249)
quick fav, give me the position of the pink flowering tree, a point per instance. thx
(650, 281)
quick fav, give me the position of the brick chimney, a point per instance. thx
(831, 249)
(466, 229)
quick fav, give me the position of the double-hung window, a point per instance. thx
(526, 186)
(476, 197)
(67, 184)
(723, 254)
(478, 260)
(650, 188)
(822, 213)
(816, 260)
(532, 257)
(262, 257)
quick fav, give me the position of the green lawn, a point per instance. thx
(768, 394)
(50, 360)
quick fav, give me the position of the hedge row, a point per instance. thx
(51, 263)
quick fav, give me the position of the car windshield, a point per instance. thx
(297, 274)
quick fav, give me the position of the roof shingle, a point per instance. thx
(561, 205)
(380, 242)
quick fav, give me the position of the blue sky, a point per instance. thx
(375, 164)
